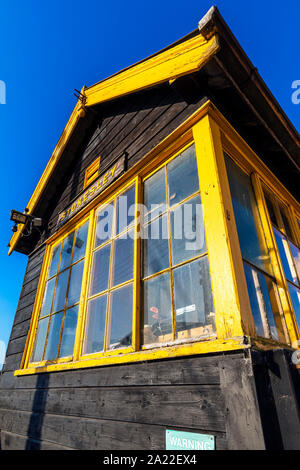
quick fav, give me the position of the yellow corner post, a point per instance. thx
(232, 307)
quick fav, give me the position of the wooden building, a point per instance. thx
(119, 338)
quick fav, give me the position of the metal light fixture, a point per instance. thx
(18, 217)
(22, 218)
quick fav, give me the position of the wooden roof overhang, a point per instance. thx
(210, 58)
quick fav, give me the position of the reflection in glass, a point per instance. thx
(125, 209)
(264, 304)
(295, 298)
(95, 325)
(285, 256)
(66, 253)
(68, 334)
(121, 317)
(75, 284)
(80, 242)
(157, 313)
(47, 300)
(155, 194)
(271, 211)
(123, 259)
(187, 227)
(182, 176)
(156, 246)
(286, 223)
(53, 336)
(193, 299)
(61, 291)
(54, 260)
(104, 224)
(251, 237)
(37, 353)
(100, 270)
(296, 257)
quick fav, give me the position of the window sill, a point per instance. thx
(176, 350)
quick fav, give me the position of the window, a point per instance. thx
(57, 321)
(262, 289)
(177, 295)
(288, 249)
(91, 172)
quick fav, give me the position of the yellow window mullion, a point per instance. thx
(137, 268)
(275, 260)
(233, 314)
(84, 288)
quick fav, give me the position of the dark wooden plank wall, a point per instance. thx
(125, 406)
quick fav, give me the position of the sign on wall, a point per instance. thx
(92, 191)
(178, 440)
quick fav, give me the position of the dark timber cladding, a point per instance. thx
(247, 399)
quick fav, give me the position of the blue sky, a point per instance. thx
(49, 48)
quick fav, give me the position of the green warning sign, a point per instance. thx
(177, 440)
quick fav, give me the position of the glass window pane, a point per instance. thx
(156, 246)
(47, 300)
(296, 257)
(68, 334)
(286, 257)
(187, 227)
(125, 209)
(155, 194)
(54, 260)
(123, 259)
(37, 353)
(264, 304)
(75, 284)
(95, 325)
(271, 211)
(157, 323)
(104, 224)
(66, 253)
(251, 237)
(182, 176)
(194, 308)
(286, 223)
(121, 318)
(80, 242)
(295, 298)
(53, 336)
(61, 291)
(100, 270)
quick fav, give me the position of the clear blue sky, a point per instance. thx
(49, 48)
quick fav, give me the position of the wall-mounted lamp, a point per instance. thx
(22, 218)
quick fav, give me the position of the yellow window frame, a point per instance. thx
(212, 135)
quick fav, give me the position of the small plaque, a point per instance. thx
(178, 440)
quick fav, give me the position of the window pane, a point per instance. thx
(66, 253)
(155, 194)
(156, 246)
(157, 313)
(286, 257)
(251, 237)
(121, 317)
(37, 353)
(182, 176)
(271, 211)
(295, 298)
(194, 308)
(264, 304)
(95, 325)
(286, 222)
(80, 242)
(296, 257)
(61, 291)
(125, 209)
(53, 336)
(75, 284)
(47, 300)
(123, 259)
(68, 335)
(104, 224)
(187, 226)
(100, 270)
(54, 260)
